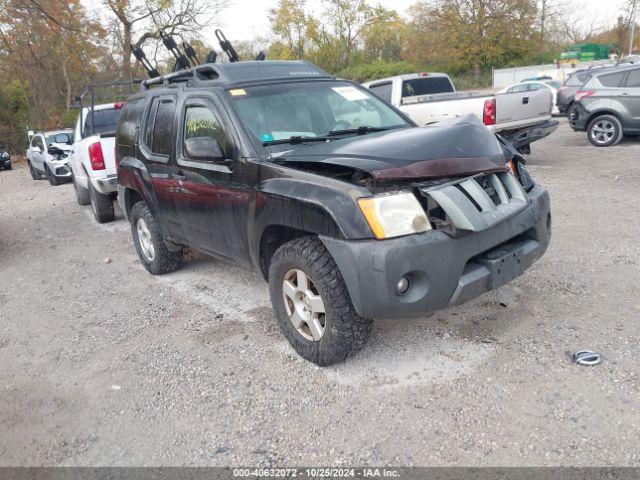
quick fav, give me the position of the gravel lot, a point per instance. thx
(103, 364)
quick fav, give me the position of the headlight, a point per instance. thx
(394, 215)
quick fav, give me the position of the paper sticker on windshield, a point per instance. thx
(351, 93)
(238, 92)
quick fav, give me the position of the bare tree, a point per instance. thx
(140, 20)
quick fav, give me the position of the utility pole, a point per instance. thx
(633, 26)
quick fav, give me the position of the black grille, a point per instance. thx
(487, 186)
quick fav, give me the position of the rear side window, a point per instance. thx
(611, 80)
(383, 90)
(129, 120)
(633, 80)
(162, 130)
(426, 86)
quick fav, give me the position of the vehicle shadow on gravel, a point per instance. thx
(432, 349)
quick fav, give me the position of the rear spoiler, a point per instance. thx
(107, 134)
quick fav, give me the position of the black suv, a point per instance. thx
(5, 158)
(348, 209)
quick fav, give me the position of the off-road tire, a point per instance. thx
(604, 120)
(10, 167)
(34, 173)
(345, 331)
(165, 260)
(82, 194)
(53, 181)
(101, 205)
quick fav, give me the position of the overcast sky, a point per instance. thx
(247, 18)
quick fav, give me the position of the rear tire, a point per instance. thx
(605, 131)
(82, 194)
(312, 304)
(101, 205)
(147, 238)
(53, 181)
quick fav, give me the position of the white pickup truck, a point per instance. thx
(93, 162)
(521, 118)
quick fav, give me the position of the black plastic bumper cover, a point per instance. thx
(526, 136)
(443, 271)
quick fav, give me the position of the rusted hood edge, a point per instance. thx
(440, 168)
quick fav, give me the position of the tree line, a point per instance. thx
(51, 49)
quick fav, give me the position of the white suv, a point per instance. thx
(48, 155)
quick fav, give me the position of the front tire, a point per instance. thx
(605, 131)
(101, 205)
(312, 304)
(53, 181)
(147, 238)
(82, 194)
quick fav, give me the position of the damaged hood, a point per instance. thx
(450, 148)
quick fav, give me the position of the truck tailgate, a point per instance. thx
(516, 109)
(426, 109)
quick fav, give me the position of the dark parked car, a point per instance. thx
(348, 210)
(607, 106)
(5, 158)
(567, 92)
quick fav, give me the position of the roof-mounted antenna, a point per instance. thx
(190, 53)
(142, 58)
(227, 47)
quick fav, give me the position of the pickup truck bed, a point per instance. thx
(522, 115)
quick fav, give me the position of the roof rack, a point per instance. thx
(237, 73)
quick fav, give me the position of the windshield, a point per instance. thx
(278, 112)
(553, 84)
(104, 121)
(63, 138)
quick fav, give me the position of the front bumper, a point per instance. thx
(5, 162)
(60, 170)
(444, 271)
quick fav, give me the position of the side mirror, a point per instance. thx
(204, 149)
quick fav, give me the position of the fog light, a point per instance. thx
(403, 286)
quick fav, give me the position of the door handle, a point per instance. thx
(624, 94)
(179, 177)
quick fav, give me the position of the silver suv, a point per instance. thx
(48, 155)
(607, 106)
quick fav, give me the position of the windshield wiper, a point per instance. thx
(360, 130)
(295, 140)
